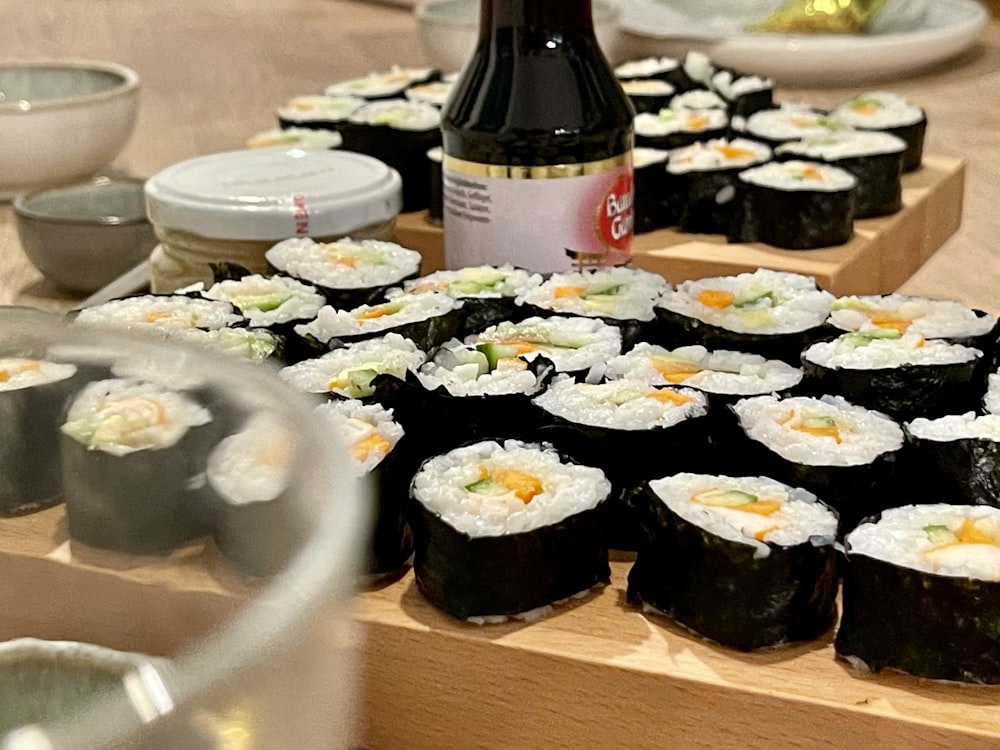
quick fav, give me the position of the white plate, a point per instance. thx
(903, 43)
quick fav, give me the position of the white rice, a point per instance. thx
(573, 343)
(764, 301)
(933, 318)
(269, 300)
(17, 373)
(950, 427)
(647, 87)
(401, 114)
(339, 371)
(647, 67)
(669, 121)
(617, 292)
(643, 156)
(369, 431)
(318, 108)
(492, 282)
(696, 99)
(346, 263)
(621, 404)
(121, 416)
(464, 371)
(399, 309)
(253, 465)
(858, 351)
(991, 401)
(302, 138)
(160, 314)
(255, 344)
(798, 175)
(797, 516)
(877, 110)
(719, 371)
(699, 67)
(717, 153)
(843, 144)
(733, 88)
(380, 84)
(862, 434)
(434, 93)
(442, 483)
(961, 541)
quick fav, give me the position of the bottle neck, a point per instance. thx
(534, 18)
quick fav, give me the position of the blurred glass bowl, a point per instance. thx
(448, 29)
(61, 120)
(84, 235)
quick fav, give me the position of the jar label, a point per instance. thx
(549, 218)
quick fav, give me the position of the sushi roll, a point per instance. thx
(653, 430)
(254, 522)
(743, 94)
(621, 296)
(775, 314)
(161, 315)
(789, 122)
(955, 458)
(507, 529)
(303, 138)
(434, 93)
(428, 318)
(33, 395)
(489, 293)
(697, 100)
(575, 344)
(921, 593)
(347, 272)
(377, 444)
(134, 456)
(671, 128)
(746, 562)
(653, 206)
(398, 132)
(797, 205)
(383, 84)
(845, 454)
(901, 374)
(667, 69)
(648, 94)
(703, 182)
(316, 112)
(889, 112)
(874, 158)
(248, 343)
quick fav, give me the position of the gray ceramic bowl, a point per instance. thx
(84, 235)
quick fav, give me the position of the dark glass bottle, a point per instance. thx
(537, 139)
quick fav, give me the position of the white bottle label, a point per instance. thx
(551, 218)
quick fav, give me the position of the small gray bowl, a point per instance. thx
(84, 235)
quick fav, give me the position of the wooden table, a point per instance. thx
(598, 674)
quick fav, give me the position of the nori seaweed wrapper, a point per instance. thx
(391, 538)
(903, 392)
(928, 625)
(960, 471)
(795, 219)
(656, 203)
(675, 329)
(855, 492)
(649, 102)
(403, 150)
(258, 538)
(711, 197)
(142, 502)
(483, 312)
(720, 590)
(913, 136)
(744, 105)
(347, 298)
(506, 575)
(30, 474)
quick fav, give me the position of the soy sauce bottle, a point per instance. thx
(537, 138)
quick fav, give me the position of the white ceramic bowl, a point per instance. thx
(447, 30)
(61, 120)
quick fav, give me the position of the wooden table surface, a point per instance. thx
(213, 74)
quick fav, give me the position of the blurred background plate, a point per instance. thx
(902, 43)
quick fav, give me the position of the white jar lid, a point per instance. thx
(274, 194)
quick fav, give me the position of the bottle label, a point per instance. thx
(549, 218)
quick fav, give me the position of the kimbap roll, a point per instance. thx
(383, 84)
(507, 529)
(303, 138)
(315, 112)
(648, 94)
(670, 128)
(889, 112)
(746, 562)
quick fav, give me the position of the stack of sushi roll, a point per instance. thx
(744, 561)
(772, 313)
(921, 593)
(379, 454)
(490, 293)
(618, 295)
(631, 430)
(846, 454)
(507, 529)
(33, 395)
(891, 113)
(132, 454)
(902, 374)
